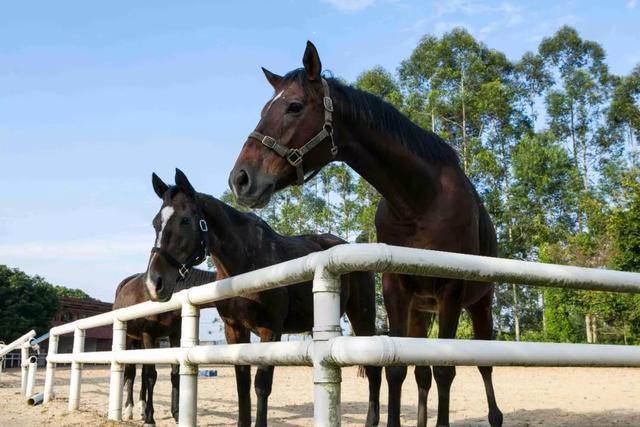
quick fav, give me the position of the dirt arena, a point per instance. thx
(527, 396)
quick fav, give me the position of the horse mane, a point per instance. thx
(371, 111)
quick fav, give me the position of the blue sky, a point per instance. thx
(96, 96)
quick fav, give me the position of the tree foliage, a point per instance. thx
(28, 302)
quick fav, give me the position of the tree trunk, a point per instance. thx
(589, 330)
(516, 312)
(433, 119)
(574, 144)
(544, 315)
(585, 166)
(594, 329)
(464, 125)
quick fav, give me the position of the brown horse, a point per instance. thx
(428, 202)
(189, 223)
(145, 333)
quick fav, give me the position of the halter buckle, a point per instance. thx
(328, 104)
(294, 157)
(269, 141)
(203, 225)
(183, 271)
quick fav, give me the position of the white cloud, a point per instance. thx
(509, 14)
(350, 5)
(631, 4)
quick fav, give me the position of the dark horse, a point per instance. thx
(190, 223)
(428, 202)
(145, 333)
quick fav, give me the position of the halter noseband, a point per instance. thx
(295, 155)
(197, 258)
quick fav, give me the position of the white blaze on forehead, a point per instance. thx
(165, 215)
(275, 98)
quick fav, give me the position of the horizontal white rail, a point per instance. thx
(378, 351)
(17, 343)
(387, 351)
(290, 353)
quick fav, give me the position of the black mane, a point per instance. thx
(369, 110)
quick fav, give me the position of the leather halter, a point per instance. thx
(184, 268)
(295, 155)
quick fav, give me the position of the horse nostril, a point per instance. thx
(159, 284)
(241, 181)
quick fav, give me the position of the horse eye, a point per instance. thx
(295, 107)
(184, 221)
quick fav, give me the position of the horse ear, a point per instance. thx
(158, 185)
(272, 78)
(183, 182)
(311, 62)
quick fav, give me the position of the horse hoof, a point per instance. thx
(128, 412)
(495, 419)
(149, 424)
(142, 406)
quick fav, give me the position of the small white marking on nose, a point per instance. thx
(151, 287)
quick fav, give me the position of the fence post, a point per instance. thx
(1, 361)
(31, 376)
(51, 368)
(188, 372)
(24, 366)
(326, 325)
(76, 370)
(117, 371)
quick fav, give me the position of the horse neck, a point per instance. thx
(407, 181)
(199, 277)
(231, 237)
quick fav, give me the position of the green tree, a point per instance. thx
(625, 110)
(62, 291)
(28, 302)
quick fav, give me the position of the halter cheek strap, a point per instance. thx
(184, 268)
(295, 155)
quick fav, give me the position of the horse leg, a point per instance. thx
(361, 311)
(419, 322)
(142, 401)
(175, 381)
(129, 377)
(150, 378)
(235, 335)
(264, 380)
(482, 320)
(449, 308)
(396, 298)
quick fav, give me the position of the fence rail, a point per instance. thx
(328, 352)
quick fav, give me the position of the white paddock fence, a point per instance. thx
(22, 342)
(328, 351)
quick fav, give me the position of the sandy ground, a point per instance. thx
(527, 396)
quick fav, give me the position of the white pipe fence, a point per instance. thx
(8, 348)
(328, 351)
